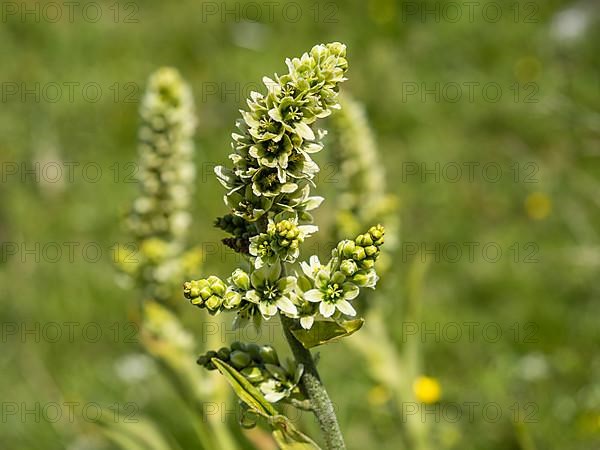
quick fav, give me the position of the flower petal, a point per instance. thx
(307, 230)
(307, 322)
(286, 305)
(286, 284)
(351, 291)
(253, 297)
(346, 308)
(306, 269)
(326, 309)
(267, 309)
(274, 397)
(314, 295)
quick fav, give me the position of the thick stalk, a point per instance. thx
(314, 389)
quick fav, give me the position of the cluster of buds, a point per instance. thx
(160, 218)
(361, 253)
(281, 242)
(328, 289)
(272, 166)
(240, 229)
(263, 292)
(166, 171)
(211, 293)
(323, 290)
(261, 366)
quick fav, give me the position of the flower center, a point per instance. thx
(270, 293)
(294, 113)
(333, 293)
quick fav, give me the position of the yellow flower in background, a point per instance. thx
(427, 389)
(538, 205)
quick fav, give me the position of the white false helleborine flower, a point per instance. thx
(331, 291)
(270, 292)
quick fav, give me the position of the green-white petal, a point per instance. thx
(307, 322)
(351, 291)
(314, 295)
(326, 309)
(252, 296)
(346, 308)
(267, 309)
(286, 305)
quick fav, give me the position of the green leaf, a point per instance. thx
(323, 332)
(284, 432)
(289, 438)
(247, 393)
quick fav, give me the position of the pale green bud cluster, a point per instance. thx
(159, 218)
(206, 293)
(363, 251)
(262, 293)
(281, 242)
(272, 166)
(328, 289)
(261, 366)
(166, 171)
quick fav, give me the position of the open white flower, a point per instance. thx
(271, 293)
(332, 292)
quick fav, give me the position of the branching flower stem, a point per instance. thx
(315, 390)
(313, 387)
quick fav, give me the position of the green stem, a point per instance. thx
(314, 389)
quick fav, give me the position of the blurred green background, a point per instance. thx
(529, 79)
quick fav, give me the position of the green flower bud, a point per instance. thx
(269, 355)
(367, 264)
(223, 353)
(239, 359)
(337, 48)
(202, 360)
(371, 250)
(360, 279)
(216, 285)
(359, 254)
(377, 233)
(346, 248)
(338, 278)
(241, 279)
(237, 345)
(254, 351)
(213, 303)
(232, 299)
(364, 240)
(348, 267)
(190, 290)
(204, 290)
